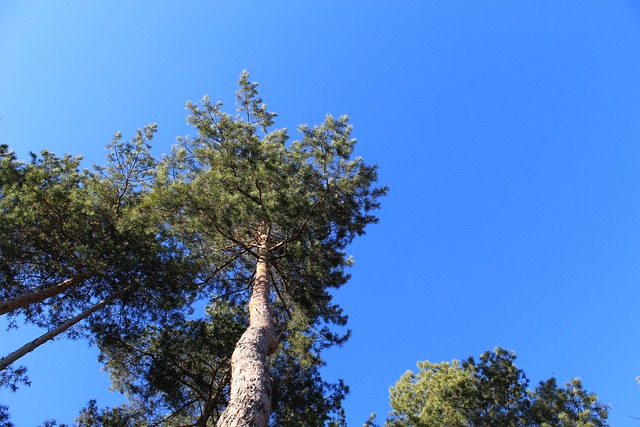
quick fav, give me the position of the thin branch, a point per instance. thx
(50, 208)
(302, 227)
(237, 242)
(174, 413)
(278, 291)
(211, 404)
(249, 196)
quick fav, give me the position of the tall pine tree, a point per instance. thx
(271, 219)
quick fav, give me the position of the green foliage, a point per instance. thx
(172, 371)
(237, 179)
(161, 235)
(97, 232)
(492, 392)
(13, 376)
(499, 389)
(52, 423)
(301, 396)
(124, 416)
(5, 418)
(170, 374)
(43, 213)
(219, 192)
(424, 399)
(570, 405)
(63, 222)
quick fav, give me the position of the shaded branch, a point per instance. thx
(211, 403)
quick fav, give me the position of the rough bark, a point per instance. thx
(250, 397)
(49, 335)
(41, 295)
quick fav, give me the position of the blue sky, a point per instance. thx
(508, 132)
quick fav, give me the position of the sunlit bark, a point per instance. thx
(41, 295)
(250, 399)
(29, 347)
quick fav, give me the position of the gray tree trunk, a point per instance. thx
(250, 399)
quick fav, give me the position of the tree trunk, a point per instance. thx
(42, 294)
(250, 399)
(49, 335)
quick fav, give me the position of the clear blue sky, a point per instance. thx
(508, 131)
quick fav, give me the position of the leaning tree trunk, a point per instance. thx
(49, 335)
(250, 399)
(42, 294)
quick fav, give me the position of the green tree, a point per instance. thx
(75, 240)
(491, 392)
(81, 245)
(122, 416)
(237, 214)
(271, 219)
(428, 397)
(178, 372)
(179, 375)
(570, 405)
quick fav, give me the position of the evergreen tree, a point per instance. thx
(239, 215)
(81, 245)
(271, 219)
(492, 392)
(179, 375)
(570, 405)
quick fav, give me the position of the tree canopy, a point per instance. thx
(270, 221)
(82, 244)
(237, 218)
(490, 392)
